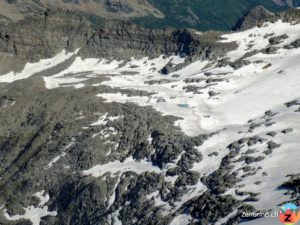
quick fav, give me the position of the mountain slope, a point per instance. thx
(190, 135)
(203, 15)
(198, 14)
(254, 17)
(109, 9)
(290, 3)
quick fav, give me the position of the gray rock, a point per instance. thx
(272, 145)
(272, 134)
(278, 39)
(250, 159)
(294, 44)
(286, 131)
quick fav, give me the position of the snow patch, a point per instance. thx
(34, 214)
(183, 219)
(33, 68)
(57, 158)
(129, 165)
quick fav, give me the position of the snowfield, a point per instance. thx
(234, 103)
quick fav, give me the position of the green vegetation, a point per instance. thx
(202, 14)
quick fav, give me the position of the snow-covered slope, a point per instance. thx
(206, 95)
(249, 100)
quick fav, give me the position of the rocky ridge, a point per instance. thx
(259, 15)
(44, 36)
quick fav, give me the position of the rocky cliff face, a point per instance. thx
(44, 36)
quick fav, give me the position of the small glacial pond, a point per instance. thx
(183, 105)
